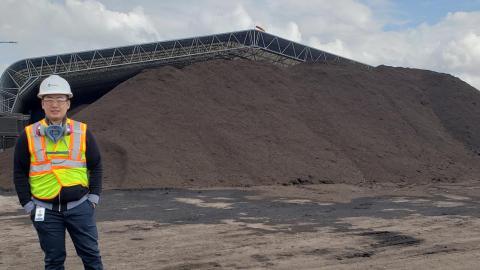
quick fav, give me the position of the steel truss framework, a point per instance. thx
(23, 76)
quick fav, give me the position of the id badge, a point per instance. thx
(39, 213)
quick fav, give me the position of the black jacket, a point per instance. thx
(21, 169)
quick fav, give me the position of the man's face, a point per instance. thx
(55, 106)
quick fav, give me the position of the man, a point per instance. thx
(57, 176)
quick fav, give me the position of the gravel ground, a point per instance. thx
(292, 227)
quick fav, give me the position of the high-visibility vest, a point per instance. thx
(56, 165)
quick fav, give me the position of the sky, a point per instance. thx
(439, 35)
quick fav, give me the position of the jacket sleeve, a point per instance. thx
(21, 168)
(94, 167)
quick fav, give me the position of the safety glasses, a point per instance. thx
(58, 100)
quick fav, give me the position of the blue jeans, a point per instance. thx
(80, 223)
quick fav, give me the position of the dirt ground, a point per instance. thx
(330, 226)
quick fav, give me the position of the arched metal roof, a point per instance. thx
(97, 67)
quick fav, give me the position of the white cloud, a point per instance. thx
(3, 67)
(451, 45)
(347, 28)
(336, 46)
(235, 18)
(289, 31)
(47, 27)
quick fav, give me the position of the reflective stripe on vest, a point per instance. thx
(75, 140)
(56, 165)
(36, 143)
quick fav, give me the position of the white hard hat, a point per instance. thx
(54, 84)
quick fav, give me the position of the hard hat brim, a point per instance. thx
(66, 94)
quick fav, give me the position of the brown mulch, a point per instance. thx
(241, 123)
